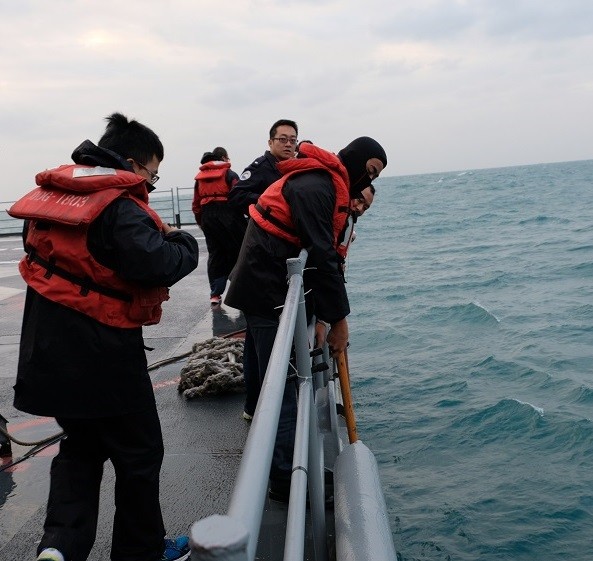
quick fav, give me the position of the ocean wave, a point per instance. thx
(447, 388)
(542, 219)
(582, 395)
(472, 308)
(585, 268)
(473, 313)
(573, 436)
(492, 368)
(539, 410)
(587, 247)
(584, 311)
(449, 403)
(508, 418)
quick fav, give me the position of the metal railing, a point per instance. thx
(8, 224)
(172, 205)
(319, 440)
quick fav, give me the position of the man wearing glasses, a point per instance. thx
(254, 180)
(98, 264)
(259, 175)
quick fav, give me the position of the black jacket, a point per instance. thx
(259, 279)
(70, 365)
(254, 180)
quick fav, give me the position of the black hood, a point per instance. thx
(355, 157)
(88, 154)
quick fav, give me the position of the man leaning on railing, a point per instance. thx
(307, 208)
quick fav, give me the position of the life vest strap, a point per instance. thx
(213, 195)
(86, 284)
(267, 215)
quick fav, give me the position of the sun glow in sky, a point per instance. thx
(98, 39)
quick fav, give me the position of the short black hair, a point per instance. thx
(220, 153)
(131, 139)
(208, 157)
(283, 123)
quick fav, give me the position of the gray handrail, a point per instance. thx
(361, 525)
(235, 536)
(307, 466)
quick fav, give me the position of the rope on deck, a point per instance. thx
(214, 367)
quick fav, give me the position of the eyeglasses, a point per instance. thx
(285, 140)
(153, 176)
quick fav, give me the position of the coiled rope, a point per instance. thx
(214, 367)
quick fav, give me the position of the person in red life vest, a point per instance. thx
(223, 225)
(254, 180)
(306, 208)
(97, 266)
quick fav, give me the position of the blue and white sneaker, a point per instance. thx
(50, 554)
(176, 549)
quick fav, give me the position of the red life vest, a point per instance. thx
(272, 212)
(211, 185)
(58, 264)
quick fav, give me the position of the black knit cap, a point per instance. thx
(355, 157)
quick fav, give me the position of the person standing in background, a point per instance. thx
(98, 264)
(223, 225)
(260, 174)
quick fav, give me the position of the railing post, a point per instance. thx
(308, 462)
(173, 213)
(219, 537)
(248, 497)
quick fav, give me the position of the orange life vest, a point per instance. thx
(211, 183)
(58, 264)
(272, 212)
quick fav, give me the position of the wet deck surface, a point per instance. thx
(203, 437)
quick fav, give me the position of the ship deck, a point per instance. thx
(203, 437)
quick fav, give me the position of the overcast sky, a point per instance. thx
(442, 84)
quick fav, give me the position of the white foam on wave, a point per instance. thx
(539, 410)
(476, 303)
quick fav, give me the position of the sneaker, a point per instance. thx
(215, 300)
(247, 416)
(50, 554)
(176, 549)
(279, 490)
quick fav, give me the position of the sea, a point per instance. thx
(471, 359)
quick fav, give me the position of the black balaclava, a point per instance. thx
(355, 157)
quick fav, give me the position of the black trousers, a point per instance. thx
(134, 444)
(263, 332)
(224, 228)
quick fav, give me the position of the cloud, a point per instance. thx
(444, 84)
(437, 21)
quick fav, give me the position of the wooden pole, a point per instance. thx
(347, 398)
